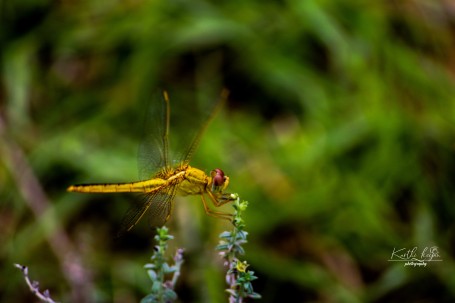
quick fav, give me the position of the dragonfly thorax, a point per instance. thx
(194, 182)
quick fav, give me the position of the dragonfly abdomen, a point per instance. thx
(138, 187)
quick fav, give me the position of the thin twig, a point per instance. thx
(34, 286)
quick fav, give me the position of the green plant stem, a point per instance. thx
(230, 247)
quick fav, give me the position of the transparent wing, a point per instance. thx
(134, 214)
(199, 125)
(156, 206)
(161, 208)
(153, 153)
(190, 118)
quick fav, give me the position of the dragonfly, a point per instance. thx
(163, 179)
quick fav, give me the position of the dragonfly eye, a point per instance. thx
(218, 177)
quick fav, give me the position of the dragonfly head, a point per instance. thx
(219, 180)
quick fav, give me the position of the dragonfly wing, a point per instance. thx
(156, 206)
(153, 151)
(204, 120)
(190, 119)
(161, 207)
(134, 214)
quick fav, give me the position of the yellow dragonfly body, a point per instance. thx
(167, 181)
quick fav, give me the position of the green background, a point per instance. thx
(339, 131)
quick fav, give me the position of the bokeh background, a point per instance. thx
(339, 131)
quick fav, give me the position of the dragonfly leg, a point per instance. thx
(216, 214)
(221, 200)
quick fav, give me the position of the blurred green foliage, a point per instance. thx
(339, 131)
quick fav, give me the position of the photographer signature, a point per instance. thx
(412, 256)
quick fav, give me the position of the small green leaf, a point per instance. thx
(232, 292)
(241, 235)
(254, 295)
(152, 274)
(168, 269)
(239, 249)
(156, 286)
(169, 295)
(222, 247)
(225, 235)
(150, 298)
